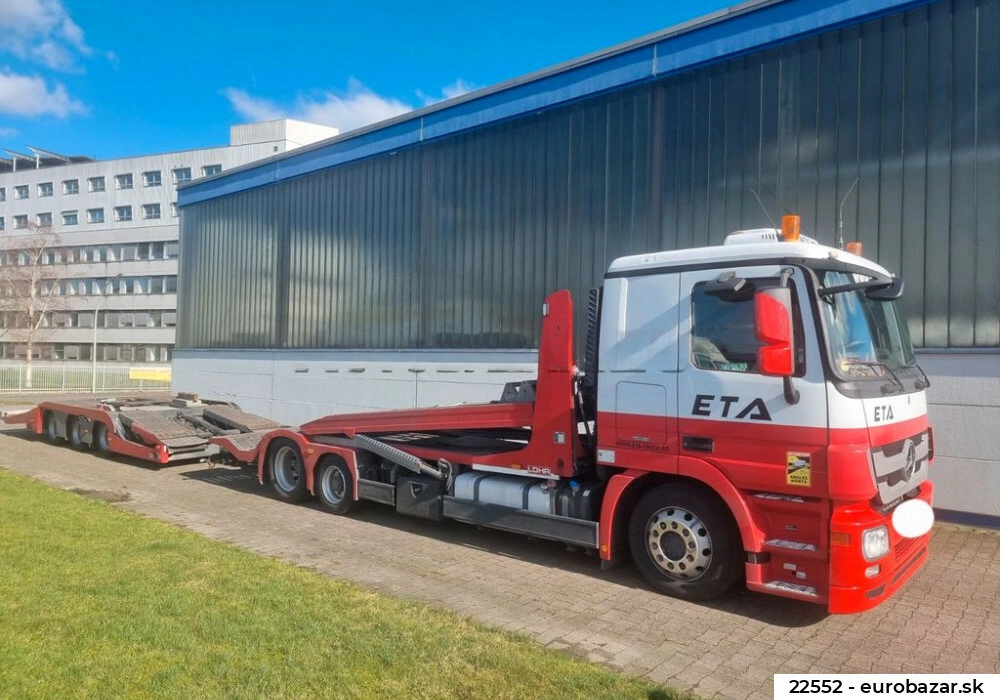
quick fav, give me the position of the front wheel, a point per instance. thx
(288, 476)
(685, 543)
(335, 487)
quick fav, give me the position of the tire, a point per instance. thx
(334, 487)
(75, 430)
(51, 427)
(685, 542)
(100, 439)
(286, 471)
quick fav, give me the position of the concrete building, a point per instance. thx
(114, 226)
(404, 264)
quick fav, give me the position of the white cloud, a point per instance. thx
(256, 109)
(28, 96)
(350, 109)
(6, 132)
(457, 88)
(43, 31)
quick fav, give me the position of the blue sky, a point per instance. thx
(110, 78)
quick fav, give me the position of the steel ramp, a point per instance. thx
(235, 418)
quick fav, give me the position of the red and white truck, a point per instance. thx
(750, 411)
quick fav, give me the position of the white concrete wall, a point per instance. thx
(964, 409)
(297, 386)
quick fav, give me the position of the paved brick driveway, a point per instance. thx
(946, 620)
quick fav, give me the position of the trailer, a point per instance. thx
(150, 429)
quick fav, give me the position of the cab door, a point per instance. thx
(732, 416)
(637, 389)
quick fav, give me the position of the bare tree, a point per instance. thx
(31, 275)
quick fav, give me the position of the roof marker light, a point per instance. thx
(790, 227)
(854, 247)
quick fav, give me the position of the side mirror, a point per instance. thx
(773, 327)
(890, 292)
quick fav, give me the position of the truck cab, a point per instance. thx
(761, 414)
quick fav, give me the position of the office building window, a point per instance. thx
(182, 175)
(207, 170)
(96, 184)
(70, 218)
(21, 191)
(44, 189)
(173, 209)
(2, 224)
(21, 221)
(151, 211)
(123, 213)
(3, 194)
(95, 216)
(44, 219)
(71, 187)
(152, 178)
(123, 181)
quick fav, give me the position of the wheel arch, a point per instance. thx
(703, 473)
(267, 445)
(333, 454)
(312, 455)
(625, 489)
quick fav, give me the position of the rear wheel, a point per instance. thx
(74, 427)
(51, 427)
(335, 487)
(685, 543)
(288, 477)
(100, 438)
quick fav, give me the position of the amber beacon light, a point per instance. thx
(854, 247)
(790, 227)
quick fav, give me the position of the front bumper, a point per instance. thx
(851, 591)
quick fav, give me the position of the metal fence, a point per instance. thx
(81, 376)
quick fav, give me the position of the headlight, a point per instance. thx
(875, 543)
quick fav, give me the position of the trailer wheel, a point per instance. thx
(100, 439)
(685, 542)
(335, 487)
(288, 476)
(75, 430)
(51, 428)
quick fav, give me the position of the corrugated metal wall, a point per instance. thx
(454, 244)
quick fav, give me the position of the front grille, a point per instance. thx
(900, 467)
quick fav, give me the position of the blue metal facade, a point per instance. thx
(445, 228)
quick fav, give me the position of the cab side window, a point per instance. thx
(722, 330)
(722, 333)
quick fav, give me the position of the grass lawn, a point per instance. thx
(95, 601)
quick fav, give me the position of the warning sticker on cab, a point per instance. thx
(797, 469)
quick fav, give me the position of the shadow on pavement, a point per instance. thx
(770, 609)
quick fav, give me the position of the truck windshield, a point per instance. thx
(868, 338)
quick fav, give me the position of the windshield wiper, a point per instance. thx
(853, 286)
(880, 364)
(924, 381)
(877, 289)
